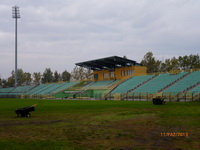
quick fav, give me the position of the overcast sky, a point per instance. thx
(57, 34)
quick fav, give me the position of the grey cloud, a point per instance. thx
(59, 33)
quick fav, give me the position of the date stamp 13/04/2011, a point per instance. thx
(174, 134)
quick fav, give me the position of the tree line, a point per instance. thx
(78, 73)
(48, 76)
(26, 78)
(181, 63)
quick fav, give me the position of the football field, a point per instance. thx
(99, 125)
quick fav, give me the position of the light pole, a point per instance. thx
(15, 15)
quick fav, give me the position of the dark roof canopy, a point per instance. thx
(108, 63)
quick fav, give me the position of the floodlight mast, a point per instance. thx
(15, 15)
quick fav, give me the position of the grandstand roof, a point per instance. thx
(108, 63)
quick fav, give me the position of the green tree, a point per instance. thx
(170, 64)
(1, 82)
(56, 77)
(194, 61)
(88, 74)
(27, 78)
(184, 62)
(151, 63)
(174, 64)
(66, 76)
(4, 83)
(165, 66)
(20, 76)
(11, 81)
(37, 77)
(189, 62)
(23, 78)
(80, 73)
(47, 76)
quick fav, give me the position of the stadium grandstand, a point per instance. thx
(116, 78)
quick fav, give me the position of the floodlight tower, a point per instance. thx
(15, 15)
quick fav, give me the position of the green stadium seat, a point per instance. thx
(185, 83)
(130, 84)
(158, 83)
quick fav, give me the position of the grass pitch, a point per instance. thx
(100, 125)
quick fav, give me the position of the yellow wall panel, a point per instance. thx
(119, 73)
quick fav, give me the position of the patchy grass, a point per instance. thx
(99, 125)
